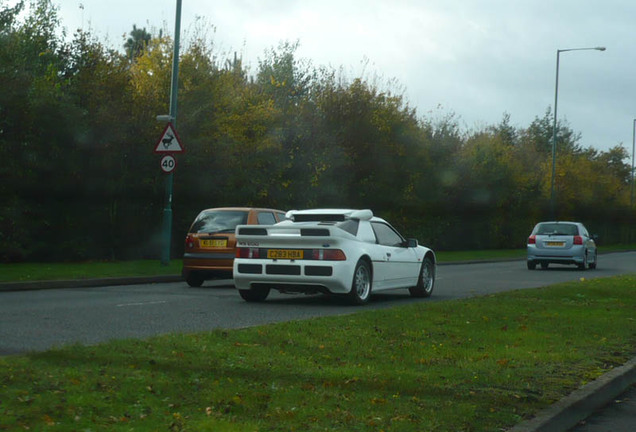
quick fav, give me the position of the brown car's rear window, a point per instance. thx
(218, 221)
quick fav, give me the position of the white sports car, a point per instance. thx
(346, 252)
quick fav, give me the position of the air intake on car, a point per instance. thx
(314, 232)
(252, 231)
(319, 217)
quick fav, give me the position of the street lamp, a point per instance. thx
(554, 124)
(631, 200)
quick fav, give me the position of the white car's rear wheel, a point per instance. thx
(425, 281)
(361, 284)
(258, 294)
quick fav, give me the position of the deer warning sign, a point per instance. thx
(169, 141)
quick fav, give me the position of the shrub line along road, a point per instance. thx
(160, 292)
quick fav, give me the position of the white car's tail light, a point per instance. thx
(248, 252)
(328, 255)
(310, 254)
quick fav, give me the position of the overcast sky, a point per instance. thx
(478, 59)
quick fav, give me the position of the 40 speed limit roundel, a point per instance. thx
(168, 163)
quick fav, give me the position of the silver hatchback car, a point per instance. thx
(561, 243)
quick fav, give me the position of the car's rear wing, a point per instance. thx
(327, 215)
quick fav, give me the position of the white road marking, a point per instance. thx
(141, 304)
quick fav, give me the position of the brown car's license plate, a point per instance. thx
(215, 243)
(285, 254)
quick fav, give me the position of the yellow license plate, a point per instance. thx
(561, 244)
(217, 243)
(284, 254)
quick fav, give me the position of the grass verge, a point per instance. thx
(479, 364)
(456, 256)
(98, 269)
(85, 270)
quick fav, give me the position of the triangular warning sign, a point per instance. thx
(169, 141)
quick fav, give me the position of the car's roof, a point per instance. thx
(558, 222)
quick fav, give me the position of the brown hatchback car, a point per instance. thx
(210, 246)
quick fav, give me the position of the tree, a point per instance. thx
(137, 42)
(612, 162)
(77, 126)
(540, 135)
(35, 124)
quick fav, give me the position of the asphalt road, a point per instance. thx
(38, 320)
(618, 416)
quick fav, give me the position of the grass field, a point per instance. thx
(479, 364)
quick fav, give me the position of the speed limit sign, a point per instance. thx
(168, 163)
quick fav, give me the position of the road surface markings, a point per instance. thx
(141, 304)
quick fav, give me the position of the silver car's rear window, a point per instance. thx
(557, 229)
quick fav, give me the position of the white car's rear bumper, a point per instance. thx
(294, 275)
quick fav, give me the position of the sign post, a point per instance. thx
(168, 144)
(167, 211)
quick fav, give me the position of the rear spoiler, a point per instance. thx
(327, 215)
(250, 230)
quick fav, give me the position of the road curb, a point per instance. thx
(580, 404)
(87, 283)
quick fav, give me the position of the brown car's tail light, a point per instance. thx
(189, 241)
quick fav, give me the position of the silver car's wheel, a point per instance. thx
(425, 281)
(583, 265)
(592, 265)
(361, 284)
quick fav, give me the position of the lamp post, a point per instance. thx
(554, 124)
(631, 200)
(167, 210)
